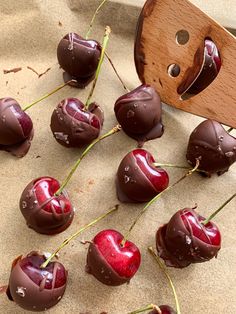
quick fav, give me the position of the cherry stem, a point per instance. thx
(64, 243)
(206, 221)
(93, 18)
(146, 308)
(157, 258)
(47, 95)
(104, 46)
(116, 72)
(176, 166)
(230, 130)
(73, 169)
(189, 173)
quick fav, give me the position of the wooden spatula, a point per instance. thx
(156, 48)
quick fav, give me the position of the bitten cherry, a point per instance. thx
(138, 180)
(79, 57)
(44, 211)
(185, 239)
(16, 128)
(210, 70)
(34, 288)
(111, 261)
(139, 113)
(213, 146)
(73, 125)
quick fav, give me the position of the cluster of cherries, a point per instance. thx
(112, 259)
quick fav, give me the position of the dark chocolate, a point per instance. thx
(34, 288)
(101, 270)
(73, 126)
(79, 57)
(16, 128)
(139, 113)
(133, 182)
(213, 146)
(44, 212)
(179, 247)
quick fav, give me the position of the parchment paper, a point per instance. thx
(30, 32)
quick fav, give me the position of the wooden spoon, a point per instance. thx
(156, 48)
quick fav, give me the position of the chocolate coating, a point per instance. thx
(179, 247)
(33, 288)
(215, 148)
(101, 270)
(139, 113)
(133, 184)
(73, 126)
(44, 212)
(165, 309)
(16, 128)
(79, 58)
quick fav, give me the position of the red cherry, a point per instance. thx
(110, 261)
(165, 309)
(185, 239)
(138, 180)
(73, 125)
(76, 109)
(43, 211)
(209, 233)
(35, 288)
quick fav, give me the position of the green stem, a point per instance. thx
(64, 243)
(116, 72)
(176, 166)
(111, 132)
(190, 172)
(206, 221)
(150, 249)
(93, 18)
(47, 95)
(104, 46)
(147, 308)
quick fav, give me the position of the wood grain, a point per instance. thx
(158, 24)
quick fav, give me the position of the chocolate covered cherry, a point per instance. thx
(165, 309)
(79, 58)
(73, 125)
(44, 211)
(139, 113)
(34, 288)
(138, 180)
(210, 70)
(110, 261)
(213, 146)
(185, 239)
(16, 128)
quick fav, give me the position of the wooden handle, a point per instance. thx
(156, 48)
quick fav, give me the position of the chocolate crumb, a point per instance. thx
(38, 156)
(38, 74)
(91, 182)
(14, 70)
(60, 23)
(6, 83)
(48, 69)
(33, 70)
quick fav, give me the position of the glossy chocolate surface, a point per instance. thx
(43, 211)
(137, 179)
(79, 58)
(185, 240)
(165, 309)
(74, 126)
(34, 288)
(215, 148)
(16, 128)
(139, 113)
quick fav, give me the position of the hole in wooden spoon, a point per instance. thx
(182, 37)
(173, 70)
